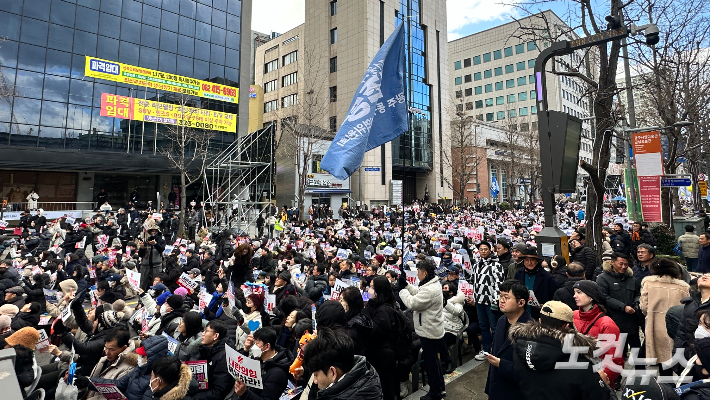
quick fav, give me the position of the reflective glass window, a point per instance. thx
(219, 19)
(478, 90)
(131, 31)
(54, 114)
(37, 9)
(187, 8)
(60, 37)
(531, 46)
(111, 6)
(150, 36)
(77, 66)
(186, 46)
(187, 26)
(234, 7)
(63, 13)
(132, 9)
(151, 15)
(110, 25)
(172, 5)
(219, 36)
(497, 55)
(169, 21)
(202, 50)
(520, 48)
(476, 60)
(232, 75)
(168, 41)
(87, 19)
(10, 27)
(216, 71)
(233, 39)
(29, 83)
(149, 58)
(8, 54)
(11, 6)
(220, 4)
(81, 92)
(487, 73)
(34, 32)
(31, 57)
(184, 66)
(204, 13)
(217, 56)
(500, 115)
(108, 48)
(233, 22)
(95, 4)
(500, 100)
(499, 85)
(508, 51)
(498, 71)
(520, 66)
(487, 57)
(203, 31)
(128, 53)
(167, 62)
(232, 58)
(521, 81)
(85, 43)
(26, 110)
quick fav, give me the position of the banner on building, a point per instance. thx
(165, 113)
(130, 74)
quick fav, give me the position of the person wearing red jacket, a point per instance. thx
(591, 320)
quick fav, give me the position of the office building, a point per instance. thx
(56, 138)
(491, 75)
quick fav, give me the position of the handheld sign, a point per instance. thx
(173, 345)
(109, 391)
(244, 368)
(412, 278)
(134, 278)
(199, 372)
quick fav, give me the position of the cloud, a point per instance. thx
(277, 15)
(462, 13)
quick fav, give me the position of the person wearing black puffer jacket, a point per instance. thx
(214, 338)
(275, 362)
(317, 283)
(35, 290)
(697, 301)
(172, 271)
(28, 316)
(583, 254)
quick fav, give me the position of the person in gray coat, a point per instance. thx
(618, 285)
(151, 257)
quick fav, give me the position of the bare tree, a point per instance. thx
(304, 123)
(187, 148)
(522, 158)
(673, 80)
(466, 151)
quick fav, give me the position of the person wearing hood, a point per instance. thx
(427, 302)
(214, 338)
(487, 275)
(119, 359)
(618, 286)
(136, 385)
(35, 290)
(539, 347)
(565, 294)
(536, 279)
(338, 373)
(168, 317)
(172, 271)
(590, 319)
(275, 362)
(28, 316)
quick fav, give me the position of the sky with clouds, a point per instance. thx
(465, 17)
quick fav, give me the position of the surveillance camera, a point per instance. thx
(652, 37)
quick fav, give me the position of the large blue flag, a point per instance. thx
(378, 112)
(495, 189)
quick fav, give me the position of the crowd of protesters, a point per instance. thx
(338, 308)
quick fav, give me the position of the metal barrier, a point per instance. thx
(53, 205)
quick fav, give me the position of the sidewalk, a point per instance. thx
(466, 383)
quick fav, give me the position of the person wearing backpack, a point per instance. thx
(382, 342)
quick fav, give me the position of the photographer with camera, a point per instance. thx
(151, 254)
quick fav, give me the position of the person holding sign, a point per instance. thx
(171, 379)
(120, 359)
(275, 362)
(219, 380)
(591, 320)
(540, 283)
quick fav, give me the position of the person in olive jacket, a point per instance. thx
(618, 285)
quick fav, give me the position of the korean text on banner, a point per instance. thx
(244, 368)
(134, 278)
(647, 153)
(199, 372)
(109, 391)
(165, 113)
(337, 288)
(650, 193)
(185, 281)
(132, 75)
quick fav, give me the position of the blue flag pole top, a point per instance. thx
(378, 112)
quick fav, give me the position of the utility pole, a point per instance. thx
(631, 109)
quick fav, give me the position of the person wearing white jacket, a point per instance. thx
(427, 301)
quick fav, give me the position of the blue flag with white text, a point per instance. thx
(377, 114)
(495, 189)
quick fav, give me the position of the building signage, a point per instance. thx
(165, 113)
(601, 37)
(312, 182)
(372, 169)
(675, 181)
(130, 74)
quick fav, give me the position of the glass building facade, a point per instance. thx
(47, 102)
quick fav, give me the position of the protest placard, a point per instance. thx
(109, 391)
(50, 296)
(532, 300)
(173, 344)
(339, 287)
(270, 303)
(203, 298)
(134, 278)
(244, 368)
(66, 313)
(185, 281)
(466, 289)
(199, 372)
(43, 343)
(412, 277)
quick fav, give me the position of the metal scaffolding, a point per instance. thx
(238, 183)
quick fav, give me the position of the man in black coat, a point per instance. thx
(275, 362)
(565, 294)
(620, 240)
(207, 262)
(502, 382)
(618, 285)
(214, 338)
(316, 283)
(536, 279)
(582, 254)
(192, 261)
(697, 301)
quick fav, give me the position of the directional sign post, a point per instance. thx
(675, 181)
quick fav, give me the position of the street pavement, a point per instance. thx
(467, 382)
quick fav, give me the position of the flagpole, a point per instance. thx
(407, 95)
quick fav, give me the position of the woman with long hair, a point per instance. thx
(380, 351)
(359, 325)
(189, 334)
(240, 264)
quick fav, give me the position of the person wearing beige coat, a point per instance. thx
(659, 292)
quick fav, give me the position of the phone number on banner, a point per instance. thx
(125, 73)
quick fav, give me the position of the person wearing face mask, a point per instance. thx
(698, 301)
(172, 380)
(382, 340)
(116, 287)
(275, 362)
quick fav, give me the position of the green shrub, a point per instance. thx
(665, 238)
(504, 206)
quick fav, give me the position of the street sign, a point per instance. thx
(702, 177)
(703, 186)
(372, 169)
(676, 181)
